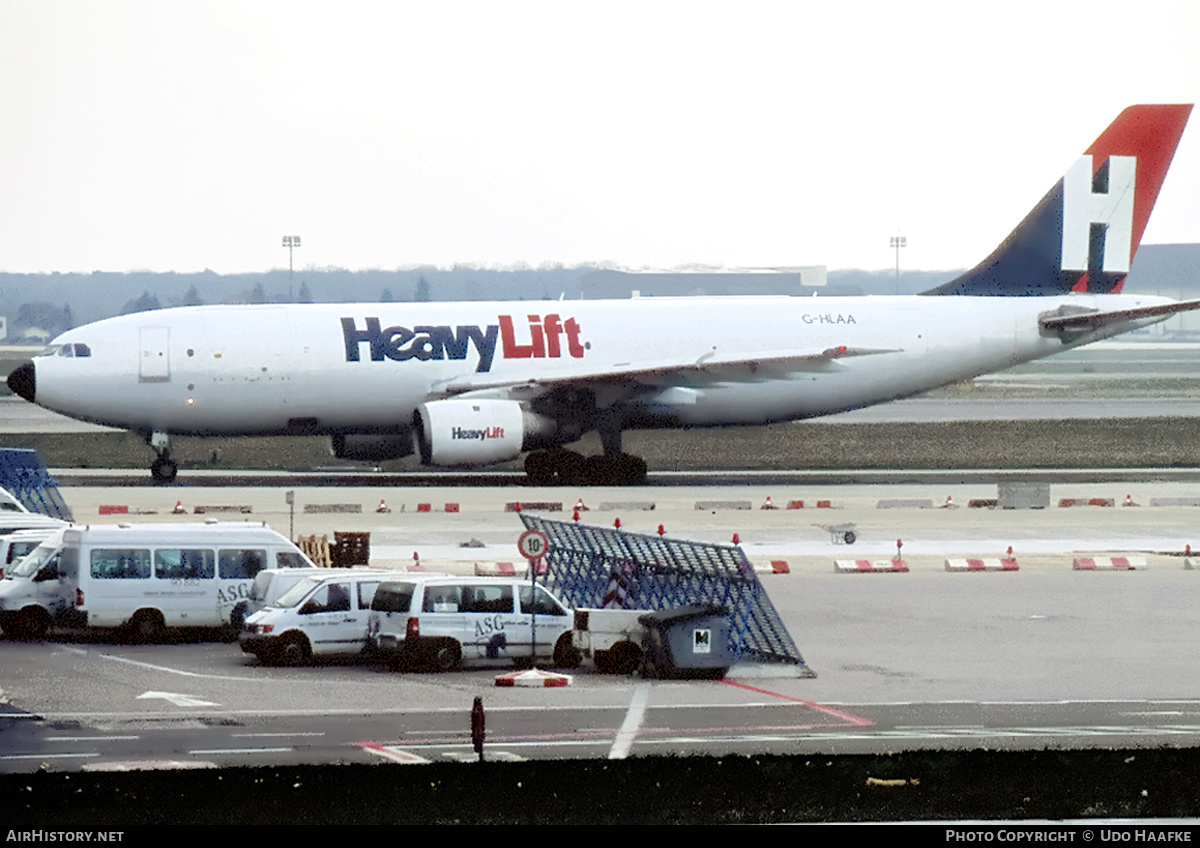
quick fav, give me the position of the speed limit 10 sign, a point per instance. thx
(533, 544)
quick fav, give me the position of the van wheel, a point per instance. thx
(447, 655)
(146, 626)
(30, 623)
(294, 650)
(566, 655)
(621, 658)
(238, 617)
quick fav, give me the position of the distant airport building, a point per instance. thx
(3, 328)
(1168, 270)
(786, 281)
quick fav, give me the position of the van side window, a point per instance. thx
(332, 597)
(240, 564)
(440, 599)
(486, 599)
(366, 592)
(68, 563)
(290, 559)
(542, 603)
(121, 564)
(183, 565)
(393, 598)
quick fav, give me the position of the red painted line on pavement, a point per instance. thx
(858, 721)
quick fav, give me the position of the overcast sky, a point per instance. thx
(178, 136)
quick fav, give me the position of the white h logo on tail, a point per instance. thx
(1111, 208)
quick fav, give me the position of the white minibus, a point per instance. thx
(445, 622)
(145, 577)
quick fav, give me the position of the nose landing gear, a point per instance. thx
(163, 469)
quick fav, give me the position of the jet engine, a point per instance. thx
(467, 431)
(363, 447)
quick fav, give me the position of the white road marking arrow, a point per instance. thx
(177, 699)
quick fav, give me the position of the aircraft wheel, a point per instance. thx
(633, 470)
(600, 470)
(539, 468)
(568, 466)
(163, 470)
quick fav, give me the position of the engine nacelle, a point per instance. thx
(482, 431)
(363, 447)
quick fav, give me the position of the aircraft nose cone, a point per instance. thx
(23, 382)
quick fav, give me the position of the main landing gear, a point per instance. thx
(561, 467)
(163, 469)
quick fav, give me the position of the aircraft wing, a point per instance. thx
(1075, 319)
(707, 367)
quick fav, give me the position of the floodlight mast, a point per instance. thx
(291, 243)
(898, 242)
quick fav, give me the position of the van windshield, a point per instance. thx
(33, 562)
(299, 592)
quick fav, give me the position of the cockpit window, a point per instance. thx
(69, 349)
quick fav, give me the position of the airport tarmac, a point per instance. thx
(1046, 656)
(454, 527)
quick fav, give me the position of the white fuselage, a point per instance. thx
(271, 369)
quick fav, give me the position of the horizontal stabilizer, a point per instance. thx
(1091, 320)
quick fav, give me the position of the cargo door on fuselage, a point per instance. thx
(154, 354)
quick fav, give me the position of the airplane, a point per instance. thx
(477, 383)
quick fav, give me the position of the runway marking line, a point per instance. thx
(393, 753)
(856, 721)
(623, 741)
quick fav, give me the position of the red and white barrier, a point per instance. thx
(1109, 564)
(866, 566)
(534, 678)
(981, 564)
(495, 569)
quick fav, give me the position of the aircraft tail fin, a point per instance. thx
(1084, 233)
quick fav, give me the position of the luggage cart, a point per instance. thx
(840, 534)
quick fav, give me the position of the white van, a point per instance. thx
(145, 576)
(321, 615)
(266, 589)
(445, 622)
